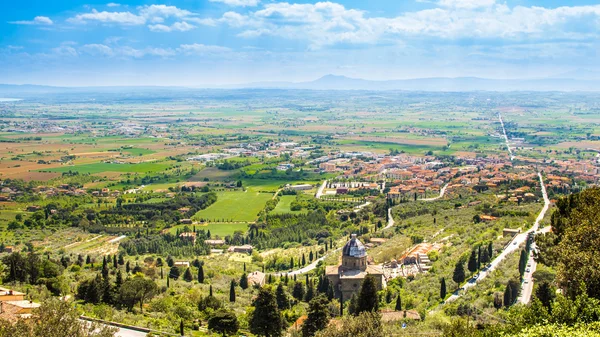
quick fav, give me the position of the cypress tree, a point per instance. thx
(459, 273)
(210, 291)
(127, 268)
(232, 292)
(443, 288)
(367, 297)
(181, 328)
(490, 251)
(522, 263)
(187, 276)
(121, 260)
(303, 260)
(508, 296)
(115, 263)
(398, 303)
(472, 264)
(244, 281)
(201, 274)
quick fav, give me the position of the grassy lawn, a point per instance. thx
(284, 205)
(107, 167)
(216, 229)
(236, 206)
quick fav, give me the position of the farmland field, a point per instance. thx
(216, 229)
(284, 204)
(108, 167)
(235, 206)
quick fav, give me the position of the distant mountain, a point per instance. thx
(580, 74)
(336, 82)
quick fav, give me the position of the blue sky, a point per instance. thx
(218, 42)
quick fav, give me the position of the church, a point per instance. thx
(348, 276)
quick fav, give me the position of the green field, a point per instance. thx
(216, 229)
(108, 167)
(235, 206)
(284, 205)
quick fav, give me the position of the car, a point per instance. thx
(526, 281)
(528, 270)
(514, 243)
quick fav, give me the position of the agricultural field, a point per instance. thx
(242, 206)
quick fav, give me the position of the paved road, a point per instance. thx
(391, 221)
(527, 284)
(122, 332)
(442, 192)
(513, 246)
(361, 206)
(512, 157)
(320, 190)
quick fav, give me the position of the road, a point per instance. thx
(320, 190)
(513, 246)
(391, 221)
(527, 284)
(442, 192)
(512, 157)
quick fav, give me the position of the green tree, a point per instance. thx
(137, 290)
(298, 292)
(232, 292)
(522, 263)
(283, 302)
(459, 273)
(174, 273)
(508, 300)
(187, 276)
(443, 288)
(200, 274)
(266, 318)
(244, 281)
(318, 316)
(54, 318)
(367, 297)
(472, 263)
(366, 324)
(545, 294)
(223, 322)
(398, 303)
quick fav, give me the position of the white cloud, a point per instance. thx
(470, 4)
(327, 23)
(38, 20)
(177, 26)
(97, 49)
(112, 4)
(124, 18)
(239, 3)
(163, 11)
(200, 49)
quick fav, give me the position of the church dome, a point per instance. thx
(354, 248)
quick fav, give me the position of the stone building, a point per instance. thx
(348, 276)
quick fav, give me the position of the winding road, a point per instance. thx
(517, 241)
(442, 192)
(391, 221)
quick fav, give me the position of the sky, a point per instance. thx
(206, 43)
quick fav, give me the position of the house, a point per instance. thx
(510, 232)
(11, 295)
(181, 264)
(302, 187)
(185, 221)
(33, 208)
(240, 249)
(9, 249)
(256, 278)
(341, 190)
(214, 242)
